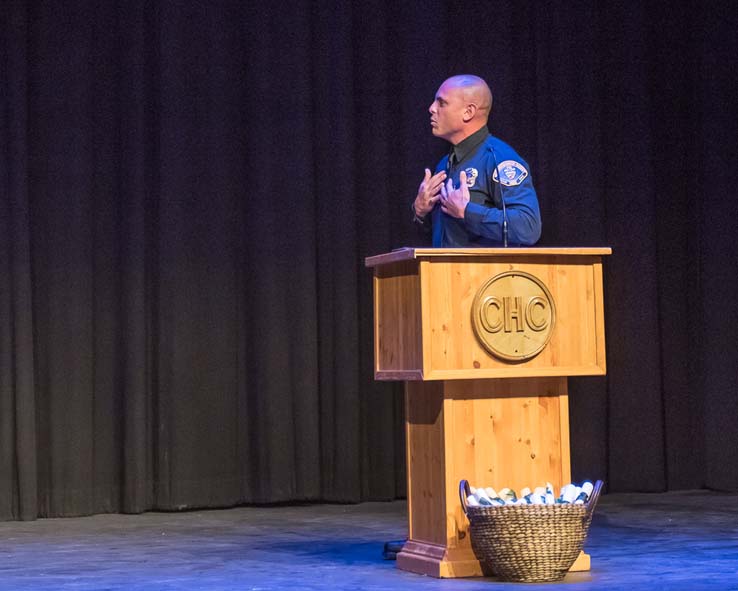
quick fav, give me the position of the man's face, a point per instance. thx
(447, 112)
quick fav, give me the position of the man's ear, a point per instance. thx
(469, 112)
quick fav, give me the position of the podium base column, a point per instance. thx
(500, 432)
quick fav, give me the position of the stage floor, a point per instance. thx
(685, 540)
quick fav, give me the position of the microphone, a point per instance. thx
(502, 197)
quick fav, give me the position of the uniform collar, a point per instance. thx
(468, 145)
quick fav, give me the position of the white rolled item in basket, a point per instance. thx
(570, 494)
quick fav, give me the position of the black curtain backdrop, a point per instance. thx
(188, 191)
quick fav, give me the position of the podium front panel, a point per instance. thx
(425, 306)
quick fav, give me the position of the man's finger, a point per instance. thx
(464, 187)
(437, 180)
(435, 187)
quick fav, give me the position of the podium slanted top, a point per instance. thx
(408, 253)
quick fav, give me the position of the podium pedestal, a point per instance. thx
(512, 431)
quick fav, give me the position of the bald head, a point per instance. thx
(474, 91)
(461, 107)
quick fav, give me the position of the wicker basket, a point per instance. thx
(528, 543)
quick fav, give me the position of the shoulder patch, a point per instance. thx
(471, 176)
(511, 172)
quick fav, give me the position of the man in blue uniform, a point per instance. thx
(481, 194)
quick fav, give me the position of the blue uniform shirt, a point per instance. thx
(494, 171)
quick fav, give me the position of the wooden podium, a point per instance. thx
(485, 340)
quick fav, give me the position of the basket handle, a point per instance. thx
(593, 500)
(464, 491)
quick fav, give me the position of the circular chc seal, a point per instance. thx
(513, 315)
